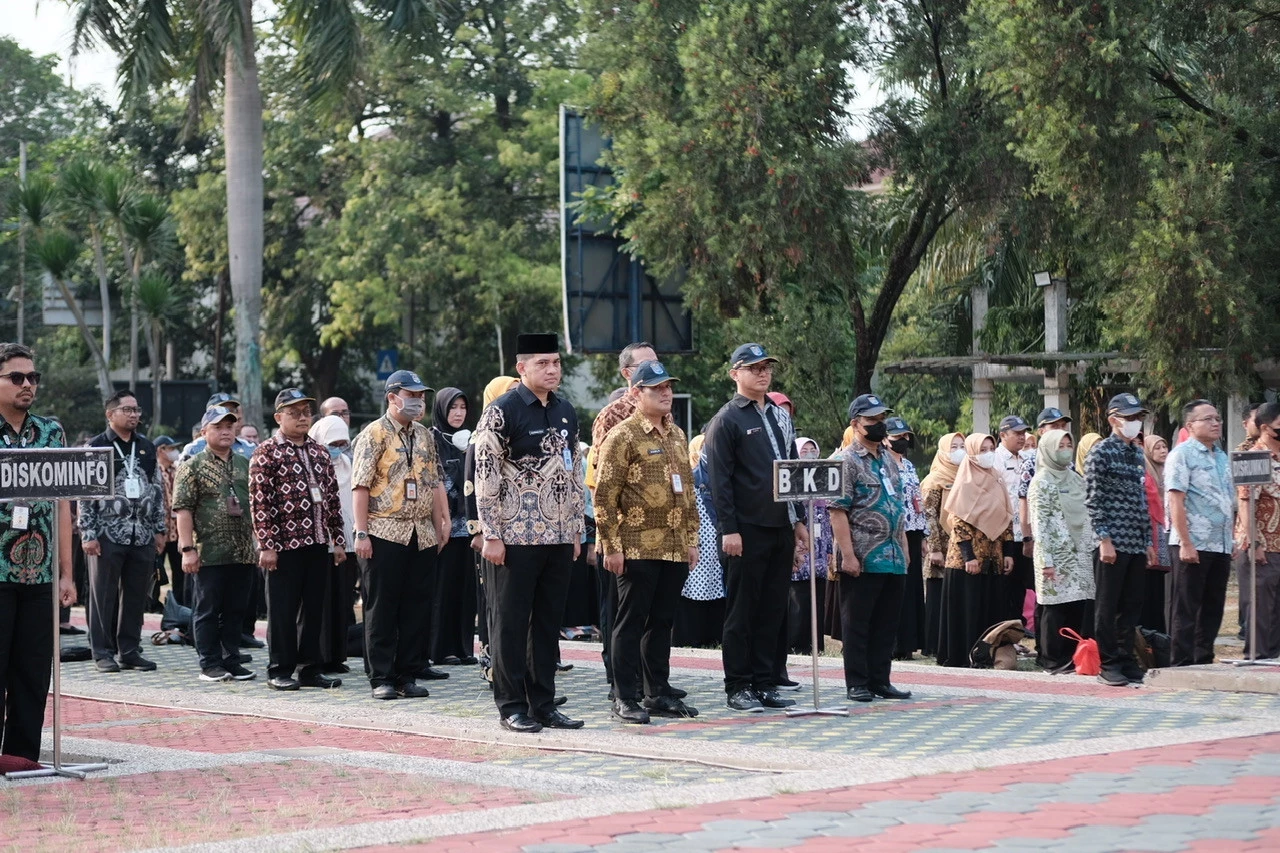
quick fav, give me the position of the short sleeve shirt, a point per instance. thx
(202, 486)
(873, 502)
(385, 457)
(1203, 474)
(25, 555)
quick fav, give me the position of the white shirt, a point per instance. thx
(1009, 470)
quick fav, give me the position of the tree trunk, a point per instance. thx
(153, 344)
(133, 263)
(104, 375)
(219, 330)
(242, 131)
(104, 293)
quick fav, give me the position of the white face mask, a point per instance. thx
(987, 459)
(461, 439)
(957, 455)
(1130, 429)
(1027, 452)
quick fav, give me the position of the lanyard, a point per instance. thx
(130, 461)
(407, 446)
(306, 464)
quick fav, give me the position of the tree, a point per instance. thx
(56, 250)
(155, 299)
(88, 189)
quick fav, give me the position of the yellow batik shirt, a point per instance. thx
(384, 457)
(639, 511)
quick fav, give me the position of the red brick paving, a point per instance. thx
(79, 712)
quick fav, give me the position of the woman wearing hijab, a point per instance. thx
(799, 631)
(1156, 451)
(1063, 551)
(974, 588)
(700, 614)
(453, 620)
(934, 490)
(1087, 441)
(337, 615)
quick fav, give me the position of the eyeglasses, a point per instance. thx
(758, 369)
(340, 412)
(129, 410)
(18, 378)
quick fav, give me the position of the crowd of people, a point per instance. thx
(436, 534)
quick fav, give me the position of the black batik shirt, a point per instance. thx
(1116, 494)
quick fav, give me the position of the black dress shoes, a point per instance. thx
(629, 711)
(320, 680)
(563, 667)
(522, 723)
(888, 691)
(859, 694)
(677, 692)
(248, 641)
(412, 690)
(136, 661)
(560, 700)
(468, 660)
(283, 683)
(670, 706)
(773, 699)
(431, 674)
(557, 720)
(385, 691)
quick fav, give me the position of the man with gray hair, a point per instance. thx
(336, 406)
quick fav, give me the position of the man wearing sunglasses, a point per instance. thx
(26, 569)
(125, 533)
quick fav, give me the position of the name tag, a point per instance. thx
(568, 460)
(21, 517)
(754, 430)
(132, 488)
(411, 490)
(654, 451)
(233, 507)
(888, 486)
(677, 484)
(537, 432)
(315, 494)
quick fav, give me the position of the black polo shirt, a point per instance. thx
(740, 458)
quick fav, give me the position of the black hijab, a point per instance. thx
(445, 398)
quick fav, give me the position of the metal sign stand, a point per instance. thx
(1253, 659)
(813, 632)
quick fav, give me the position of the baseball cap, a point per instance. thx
(406, 380)
(867, 404)
(649, 374)
(749, 354)
(897, 426)
(1014, 423)
(214, 415)
(1050, 415)
(1125, 405)
(289, 396)
(222, 398)
(163, 440)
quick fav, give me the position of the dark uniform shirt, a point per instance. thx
(25, 555)
(1116, 494)
(740, 455)
(123, 520)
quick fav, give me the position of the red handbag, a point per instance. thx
(1087, 660)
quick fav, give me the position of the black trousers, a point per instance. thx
(1267, 606)
(527, 598)
(257, 605)
(177, 578)
(1118, 607)
(1199, 595)
(484, 571)
(1052, 649)
(756, 605)
(453, 622)
(932, 614)
(26, 665)
(799, 624)
(220, 595)
(608, 585)
(700, 624)
(337, 615)
(870, 606)
(398, 581)
(911, 625)
(295, 597)
(648, 593)
(1153, 603)
(117, 595)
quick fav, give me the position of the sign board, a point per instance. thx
(388, 363)
(46, 473)
(807, 479)
(1251, 467)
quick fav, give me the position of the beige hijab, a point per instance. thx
(695, 450)
(1156, 471)
(978, 496)
(1087, 441)
(942, 473)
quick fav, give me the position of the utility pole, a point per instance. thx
(22, 249)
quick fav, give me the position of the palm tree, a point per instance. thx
(57, 251)
(85, 189)
(154, 293)
(143, 229)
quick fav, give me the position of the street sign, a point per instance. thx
(56, 473)
(807, 479)
(388, 362)
(1251, 467)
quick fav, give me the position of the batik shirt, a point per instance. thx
(1203, 474)
(380, 463)
(1071, 558)
(1116, 494)
(823, 544)
(202, 486)
(122, 520)
(281, 476)
(939, 540)
(526, 461)
(873, 502)
(912, 500)
(25, 555)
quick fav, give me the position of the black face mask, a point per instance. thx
(876, 432)
(900, 445)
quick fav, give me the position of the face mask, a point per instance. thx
(876, 432)
(1131, 429)
(900, 445)
(1063, 456)
(1026, 453)
(335, 452)
(957, 455)
(987, 459)
(172, 454)
(462, 438)
(412, 407)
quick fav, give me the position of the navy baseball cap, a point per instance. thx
(289, 396)
(222, 398)
(1125, 405)
(650, 373)
(749, 354)
(163, 440)
(1050, 415)
(406, 380)
(867, 405)
(214, 415)
(897, 426)
(1014, 423)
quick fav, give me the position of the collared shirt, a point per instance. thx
(912, 499)
(639, 511)
(1266, 510)
(1116, 494)
(1203, 474)
(743, 440)
(122, 520)
(25, 555)
(381, 464)
(203, 486)
(526, 461)
(610, 416)
(1009, 470)
(873, 502)
(240, 447)
(166, 481)
(281, 476)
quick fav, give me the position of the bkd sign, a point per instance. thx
(807, 479)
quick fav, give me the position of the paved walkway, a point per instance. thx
(974, 761)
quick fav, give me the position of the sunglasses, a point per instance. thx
(18, 378)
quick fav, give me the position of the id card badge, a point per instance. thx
(888, 486)
(677, 484)
(132, 488)
(233, 507)
(21, 519)
(315, 495)
(411, 490)
(568, 460)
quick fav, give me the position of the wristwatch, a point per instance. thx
(189, 548)
(362, 534)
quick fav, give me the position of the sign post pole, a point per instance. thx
(1251, 469)
(57, 474)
